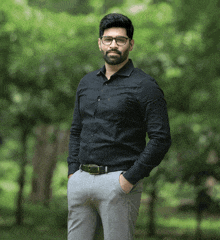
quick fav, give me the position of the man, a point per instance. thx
(108, 158)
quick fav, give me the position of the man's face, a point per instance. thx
(114, 54)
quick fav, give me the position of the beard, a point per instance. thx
(115, 59)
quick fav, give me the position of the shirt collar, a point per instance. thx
(126, 70)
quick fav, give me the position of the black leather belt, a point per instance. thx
(95, 169)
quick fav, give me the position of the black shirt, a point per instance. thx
(111, 119)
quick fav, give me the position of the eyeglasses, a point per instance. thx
(120, 41)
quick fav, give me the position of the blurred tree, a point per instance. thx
(25, 128)
(42, 64)
(44, 55)
(51, 142)
(199, 22)
(153, 190)
(4, 76)
(73, 7)
(4, 57)
(177, 43)
(108, 4)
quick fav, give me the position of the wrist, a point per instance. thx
(70, 175)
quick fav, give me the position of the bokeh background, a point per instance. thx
(46, 47)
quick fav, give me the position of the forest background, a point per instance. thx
(46, 47)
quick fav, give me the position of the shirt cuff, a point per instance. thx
(135, 174)
(72, 168)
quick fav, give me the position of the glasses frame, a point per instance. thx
(114, 39)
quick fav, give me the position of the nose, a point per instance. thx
(113, 44)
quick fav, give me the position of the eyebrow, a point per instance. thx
(116, 36)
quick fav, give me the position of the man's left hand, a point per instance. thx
(125, 184)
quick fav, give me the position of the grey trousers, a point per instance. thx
(99, 198)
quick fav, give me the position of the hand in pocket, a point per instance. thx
(125, 184)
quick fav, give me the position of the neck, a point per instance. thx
(112, 69)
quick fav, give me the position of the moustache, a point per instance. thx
(113, 51)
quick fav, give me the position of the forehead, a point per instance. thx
(115, 31)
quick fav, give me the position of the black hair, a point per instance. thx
(116, 20)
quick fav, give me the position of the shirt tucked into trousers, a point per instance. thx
(110, 122)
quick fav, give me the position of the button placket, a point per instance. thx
(96, 107)
(101, 92)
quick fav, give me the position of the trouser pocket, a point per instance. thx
(118, 182)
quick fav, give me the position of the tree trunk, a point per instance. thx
(203, 201)
(198, 235)
(199, 210)
(50, 143)
(21, 180)
(151, 226)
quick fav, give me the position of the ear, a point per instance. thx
(100, 44)
(131, 44)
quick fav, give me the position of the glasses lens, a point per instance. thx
(121, 41)
(107, 40)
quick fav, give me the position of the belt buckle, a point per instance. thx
(94, 166)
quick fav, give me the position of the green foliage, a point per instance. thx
(74, 7)
(183, 56)
(49, 53)
(45, 54)
(50, 223)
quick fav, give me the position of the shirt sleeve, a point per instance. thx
(74, 141)
(156, 121)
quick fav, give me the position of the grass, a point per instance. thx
(172, 224)
(50, 223)
(43, 223)
(24, 232)
(39, 222)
